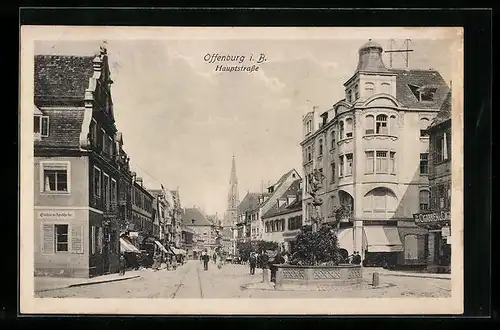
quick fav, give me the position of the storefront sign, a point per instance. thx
(56, 215)
(435, 217)
(445, 231)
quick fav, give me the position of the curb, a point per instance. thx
(103, 281)
(87, 283)
(417, 276)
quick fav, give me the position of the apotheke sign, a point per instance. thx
(56, 215)
(435, 217)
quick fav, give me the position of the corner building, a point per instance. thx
(372, 148)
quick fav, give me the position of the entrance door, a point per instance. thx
(105, 250)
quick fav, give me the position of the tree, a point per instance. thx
(245, 248)
(316, 248)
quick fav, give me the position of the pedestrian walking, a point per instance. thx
(356, 258)
(206, 259)
(215, 258)
(253, 263)
(122, 264)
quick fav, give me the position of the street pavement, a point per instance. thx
(234, 281)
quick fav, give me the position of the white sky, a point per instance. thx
(182, 122)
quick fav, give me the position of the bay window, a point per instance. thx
(349, 164)
(370, 162)
(381, 162)
(348, 128)
(381, 124)
(369, 124)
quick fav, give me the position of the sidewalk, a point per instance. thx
(385, 272)
(47, 283)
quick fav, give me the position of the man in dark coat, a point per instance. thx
(253, 263)
(206, 259)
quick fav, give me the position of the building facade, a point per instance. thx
(370, 147)
(435, 207)
(80, 169)
(203, 229)
(142, 213)
(283, 221)
(245, 209)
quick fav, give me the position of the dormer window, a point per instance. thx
(41, 125)
(308, 127)
(423, 93)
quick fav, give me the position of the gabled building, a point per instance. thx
(244, 217)
(283, 221)
(81, 173)
(372, 148)
(204, 230)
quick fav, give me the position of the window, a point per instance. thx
(309, 154)
(424, 164)
(427, 94)
(424, 123)
(61, 238)
(411, 247)
(110, 145)
(320, 147)
(282, 224)
(295, 223)
(424, 197)
(381, 124)
(370, 162)
(392, 125)
(380, 203)
(439, 149)
(333, 140)
(349, 98)
(97, 182)
(349, 164)
(381, 162)
(386, 87)
(93, 131)
(392, 162)
(348, 129)
(41, 125)
(308, 127)
(113, 191)
(356, 95)
(55, 176)
(369, 123)
(333, 172)
(341, 131)
(341, 166)
(105, 189)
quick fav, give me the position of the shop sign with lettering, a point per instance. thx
(434, 217)
(56, 215)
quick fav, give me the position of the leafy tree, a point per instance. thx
(316, 248)
(245, 248)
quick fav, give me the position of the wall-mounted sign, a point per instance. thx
(434, 217)
(445, 231)
(56, 215)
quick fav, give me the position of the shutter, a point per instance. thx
(76, 239)
(48, 239)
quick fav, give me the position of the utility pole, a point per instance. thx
(406, 51)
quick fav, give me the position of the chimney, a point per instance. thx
(370, 58)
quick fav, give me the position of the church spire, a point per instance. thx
(232, 197)
(233, 178)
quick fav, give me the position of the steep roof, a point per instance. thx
(444, 113)
(249, 202)
(65, 126)
(419, 78)
(188, 215)
(296, 205)
(58, 76)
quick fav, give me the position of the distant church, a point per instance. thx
(232, 200)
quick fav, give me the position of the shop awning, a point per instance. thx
(126, 246)
(345, 237)
(161, 247)
(177, 251)
(382, 239)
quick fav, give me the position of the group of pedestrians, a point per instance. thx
(355, 258)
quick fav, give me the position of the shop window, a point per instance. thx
(411, 247)
(370, 162)
(61, 238)
(41, 125)
(381, 124)
(369, 124)
(349, 164)
(424, 197)
(348, 127)
(424, 164)
(55, 177)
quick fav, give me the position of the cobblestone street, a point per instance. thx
(191, 281)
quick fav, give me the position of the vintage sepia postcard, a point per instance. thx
(241, 170)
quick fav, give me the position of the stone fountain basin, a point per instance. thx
(342, 274)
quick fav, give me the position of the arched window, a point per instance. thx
(392, 125)
(320, 147)
(332, 140)
(348, 127)
(424, 197)
(381, 124)
(369, 124)
(424, 123)
(341, 130)
(411, 247)
(380, 203)
(309, 154)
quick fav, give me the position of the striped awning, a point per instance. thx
(382, 239)
(126, 246)
(162, 247)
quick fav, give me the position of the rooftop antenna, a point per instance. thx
(406, 51)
